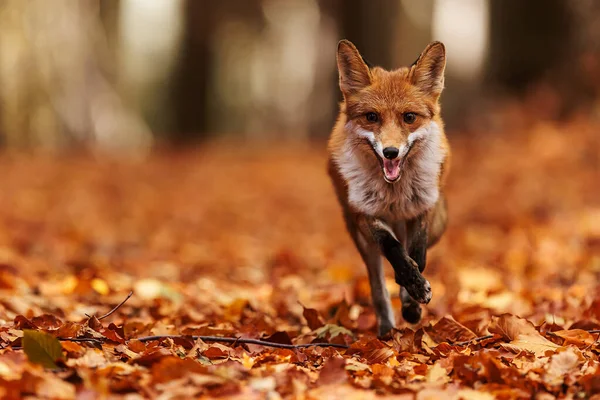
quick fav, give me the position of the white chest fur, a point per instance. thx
(414, 192)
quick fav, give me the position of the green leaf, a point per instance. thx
(42, 348)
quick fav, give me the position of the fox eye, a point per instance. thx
(409, 117)
(372, 117)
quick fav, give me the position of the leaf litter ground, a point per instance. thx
(212, 244)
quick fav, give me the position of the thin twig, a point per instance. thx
(474, 340)
(108, 314)
(241, 340)
(81, 339)
(234, 340)
(550, 333)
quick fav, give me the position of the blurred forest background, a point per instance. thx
(128, 73)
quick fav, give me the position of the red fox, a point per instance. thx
(388, 161)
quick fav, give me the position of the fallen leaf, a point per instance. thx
(100, 286)
(470, 394)
(448, 330)
(577, 337)
(313, 319)
(437, 374)
(331, 331)
(42, 348)
(522, 335)
(333, 372)
(511, 326)
(536, 344)
(47, 321)
(561, 365)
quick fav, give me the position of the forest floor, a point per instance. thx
(253, 247)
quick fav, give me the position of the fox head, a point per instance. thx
(393, 113)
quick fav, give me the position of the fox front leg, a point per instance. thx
(379, 293)
(416, 231)
(369, 251)
(417, 234)
(406, 270)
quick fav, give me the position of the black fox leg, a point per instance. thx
(379, 293)
(369, 251)
(406, 270)
(416, 230)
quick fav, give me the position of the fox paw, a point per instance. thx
(411, 313)
(420, 290)
(415, 284)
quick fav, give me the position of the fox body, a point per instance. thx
(388, 158)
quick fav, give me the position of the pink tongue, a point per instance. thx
(391, 168)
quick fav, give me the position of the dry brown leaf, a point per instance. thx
(448, 330)
(437, 374)
(510, 327)
(577, 337)
(561, 366)
(522, 335)
(333, 372)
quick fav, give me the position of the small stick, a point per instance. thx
(211, 339)
(242, 340)
(108, 314)
(81, 339)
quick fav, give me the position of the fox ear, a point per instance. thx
(427, 73)
(354, 72)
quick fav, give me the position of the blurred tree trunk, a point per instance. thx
(527, 40)
(147, 57)
(261, 68)
(548, 50)
(193, 72)
(584, 66)
(110, 16)
(324, 99)
(371, 27)
(56, 88)
(412, 31)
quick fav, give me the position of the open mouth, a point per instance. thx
(391, 169)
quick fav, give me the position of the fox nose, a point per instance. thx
(390, 152)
